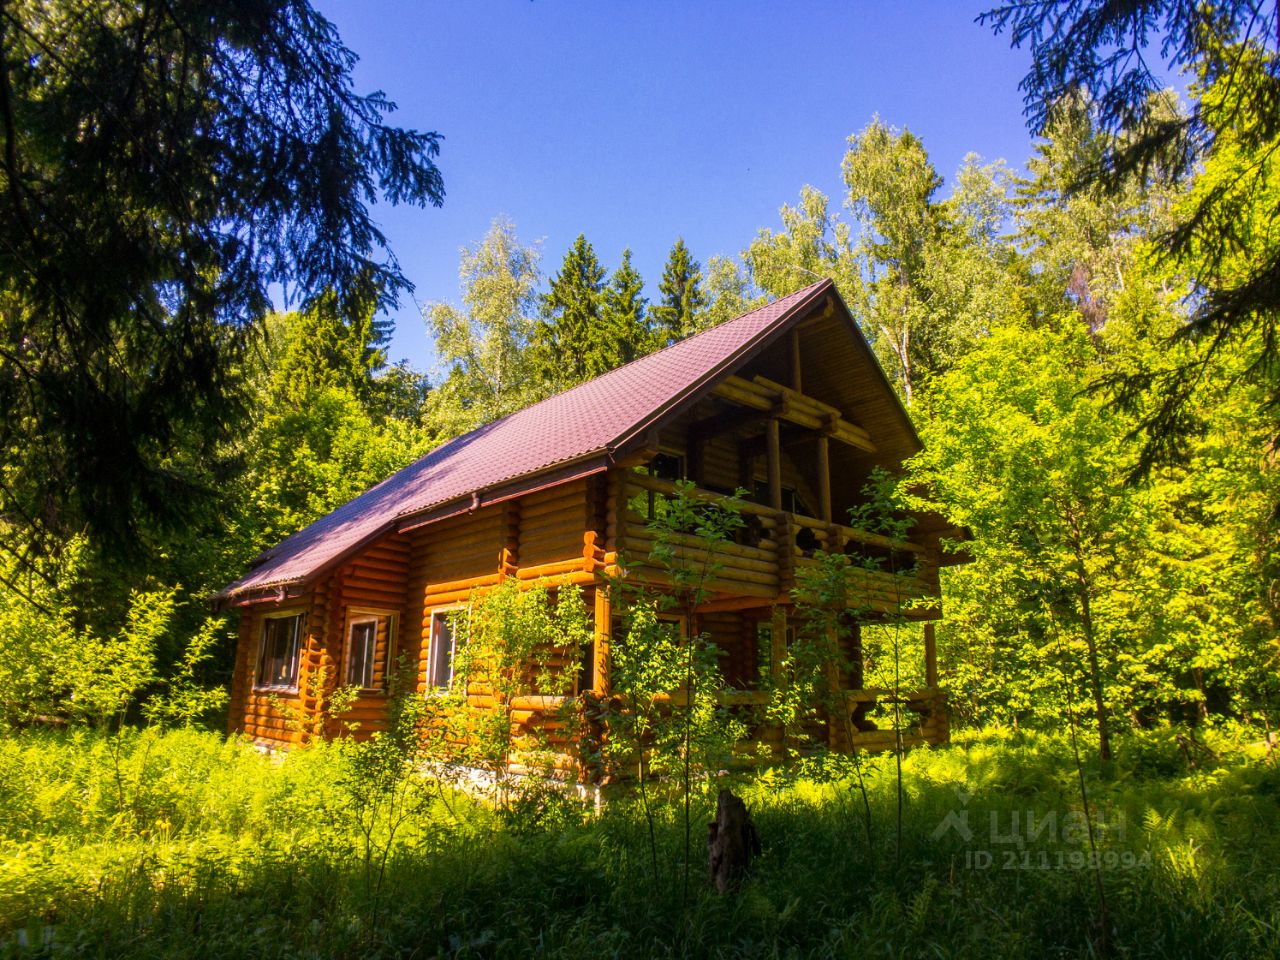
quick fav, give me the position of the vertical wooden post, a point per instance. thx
(777, 654)
(930, 656)
(694, 462)
(509, 556)
(778, 642)
(773, 449)
(603, 631)
(856, 671)
(835, 722)
(795, 361)
(824, 479)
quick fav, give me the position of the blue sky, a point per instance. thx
(636, 122)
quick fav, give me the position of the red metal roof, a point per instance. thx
(593, 418)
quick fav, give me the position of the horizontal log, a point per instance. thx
(571, 529)
(479, 532)
(654, 576)
(378, 575)
(860, 536)
(726, 576)
(375, 571)
(815, 407)
(449, 586)
(795, 408)
(572, 488)
(669, 488)
(540, 513)
(484, 551)
(741, 549)
(359, 590)
(568, 540)
(544, 702)
(550, 569)
(722, 548)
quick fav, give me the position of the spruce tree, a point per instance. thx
(624, 313)
(165, 168)
(678, 312)
(571, 343)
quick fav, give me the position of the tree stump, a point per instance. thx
(731, 842)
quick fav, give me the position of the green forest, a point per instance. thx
(1087, 345)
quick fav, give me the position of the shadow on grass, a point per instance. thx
(994, 863)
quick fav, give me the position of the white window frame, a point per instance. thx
(357, 615)
(299, 641)
(432, 688)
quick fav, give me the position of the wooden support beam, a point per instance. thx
(778, 641)
(773, 450)
(508, 558)
(835, 722)
(930, 656)
(824, 479)
(732, 419)
(777, 655)
(774, 398)
(600, 641)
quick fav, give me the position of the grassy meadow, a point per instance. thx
(186, 844)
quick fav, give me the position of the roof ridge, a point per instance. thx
(772, 304)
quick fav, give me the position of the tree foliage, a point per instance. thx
(679, 310)
(624, 312)
(1224, 233)
(488, 367)
(572, 341)
(164, 165)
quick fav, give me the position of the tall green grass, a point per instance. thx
(184, 844)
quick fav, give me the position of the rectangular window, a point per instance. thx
(667, 466)
(362, 652)
(664, 466)
(278, 658)
(444, 645)
(791, 501)
(764, 648)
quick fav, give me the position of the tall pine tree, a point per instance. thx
(679, 312)
(571, 343)
(624, 312)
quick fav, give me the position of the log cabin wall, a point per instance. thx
(277, 716)
(450, 559)
(373, 587)
(734, 633)
(559, 533)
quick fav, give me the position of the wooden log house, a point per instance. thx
(786, 402)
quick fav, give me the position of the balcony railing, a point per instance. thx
(778, 547)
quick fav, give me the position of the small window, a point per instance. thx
(369, 639)
(764, 648)
(278, 658)
(791, 501)
(444, 647)
(667, 466)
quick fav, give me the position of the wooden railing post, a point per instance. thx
(824, 479)
(773, 451)
(600, 641)
(777, 655)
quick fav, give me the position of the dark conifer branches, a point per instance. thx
(676, 315)
(163, 166)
